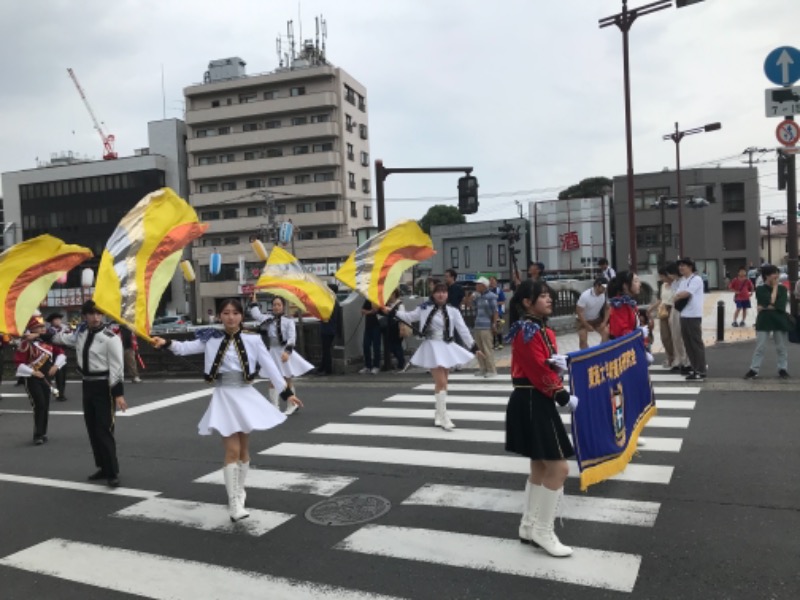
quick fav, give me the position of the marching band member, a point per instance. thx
(533, 425)
(38, 363)
(439, 353)
(236, 408)
(279, 335)
(623, 315)
(55, 324)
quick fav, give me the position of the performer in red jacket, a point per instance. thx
(38, 363)
(623, 316)
(533, 424)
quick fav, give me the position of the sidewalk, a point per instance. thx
(568, 342)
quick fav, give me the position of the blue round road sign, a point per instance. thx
(782, 66)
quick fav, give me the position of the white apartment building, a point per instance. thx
(290, 145)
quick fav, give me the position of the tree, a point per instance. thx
(591, 187)
(441, 214)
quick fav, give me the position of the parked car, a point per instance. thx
(170, 323)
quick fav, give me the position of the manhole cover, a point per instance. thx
(348, 510)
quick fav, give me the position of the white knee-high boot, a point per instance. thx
(244, 467)
(543, 532)
(437, 419)
(235, 509)
(272, 393)
(441, 411)
(529, 512)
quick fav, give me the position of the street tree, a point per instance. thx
(591, 187)
(441, 214)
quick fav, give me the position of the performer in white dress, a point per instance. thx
(279, 335)
(439, 353)
(236, 408)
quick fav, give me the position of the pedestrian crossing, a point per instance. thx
(388, 432)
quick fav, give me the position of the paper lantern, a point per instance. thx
(87, 278)
(286, 231)
(215, 263)
(188, 270)
(260, 250)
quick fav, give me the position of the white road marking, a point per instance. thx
(98, 488)
(655, 377)
(503, 400)
(492, 416)
(319, 484)
(583, 507)
(593, 568)
(165, 403)
(506, 388)
(461, 434)
(201, 515)
(163, 577)
(640, 473)
(52, 413)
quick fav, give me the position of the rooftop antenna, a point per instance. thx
(316, 37)
(324, 28)
(279, 49)
(290, 36)
(300, 23)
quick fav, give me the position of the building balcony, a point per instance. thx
(262, 137)
(260, 109)
(250, 196)
(252, 168)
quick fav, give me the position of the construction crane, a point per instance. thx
(108, 139)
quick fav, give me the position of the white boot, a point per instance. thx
(529, 508)
(273, 397)
(543, 533)
(291, 408)
(441, 411)
(244, 467)
(235, 509)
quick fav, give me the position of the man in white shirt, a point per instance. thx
(606, 270)
(690, 287)
(591, 312)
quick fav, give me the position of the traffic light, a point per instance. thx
(782, 170)
(468, 195)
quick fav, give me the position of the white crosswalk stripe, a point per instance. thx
(503, 400)
(497, 387)
(319, 484)
(654, 377)
(163, 577)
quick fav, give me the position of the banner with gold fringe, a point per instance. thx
(616, 402)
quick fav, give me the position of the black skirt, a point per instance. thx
(534, 428)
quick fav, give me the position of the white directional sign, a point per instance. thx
(782, 102)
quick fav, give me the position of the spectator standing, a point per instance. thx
(56, 325)
(501, 308)
(327, 333)
(742, 288)
(690, 287)
(591, 312)
(455, 293)
(663, 309)
(771, 301)
(394, 341)
(130, 348)
(372, 339)
(681, 361)
(606, 270)
(623, 317)
(485, 302)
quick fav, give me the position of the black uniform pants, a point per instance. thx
(39, 395)
(327, 353)
(60, 381)
(99, 411)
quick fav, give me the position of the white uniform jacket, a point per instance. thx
(99, 354)
(420, 315)
(268, 323)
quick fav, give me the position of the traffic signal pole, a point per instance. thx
(381, 173)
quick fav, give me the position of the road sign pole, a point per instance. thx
(791, 225)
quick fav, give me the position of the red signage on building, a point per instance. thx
(569, 241)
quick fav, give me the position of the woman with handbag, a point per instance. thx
(662, 308)
(680, 362)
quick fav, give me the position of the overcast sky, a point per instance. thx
(527, 92)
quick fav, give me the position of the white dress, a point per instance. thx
(296, 365)
(434, 351)
(236, 406)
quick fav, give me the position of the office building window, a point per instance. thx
(273, 124)
(324, 118)
(209, 215)
(364, 159)
(326, 147)
(362, 103)
(274, 152)
(302, 178)
(365, 186)
(367, 213)
(207, 160)
(348, 122)
(253, 183)
(650, 236)
(351, 180)
(325, 205)
(247, 98)
(230, 213)
(350, 154)
(300, 150)
(353, 209)
(326, 176)
(213, 241)
(489, 255)
(299, 120)
(297, 91)
(226, 158)
(454, 258)
(227, 186)
(251, 155)
(205, 188)
(255, 211)
(349, 94)
(362, 130)
(647, 199)
(270, 95)
(230, 240)
(224, 130)
(305, 207)
(250, 127)
(502, 255)
(215, 104)
(274, 181)
(466, 257)
(733, 197)
(305, 235)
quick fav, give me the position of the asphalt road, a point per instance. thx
(724, 523)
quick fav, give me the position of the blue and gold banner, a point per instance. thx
(616, 401)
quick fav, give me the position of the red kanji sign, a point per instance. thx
(569, 241)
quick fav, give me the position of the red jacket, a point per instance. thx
(622, 320)
(528, 361)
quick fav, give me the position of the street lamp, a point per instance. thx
(770, 221)
(624, 21)
(676, 137)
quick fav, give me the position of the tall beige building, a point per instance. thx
(290, 145)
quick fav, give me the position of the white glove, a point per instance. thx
(649, 358)
(573, 403)
(645, 330)
(559, 361)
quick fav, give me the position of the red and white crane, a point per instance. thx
(108, 139)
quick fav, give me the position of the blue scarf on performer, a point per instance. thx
(618, 301)
(528, 328)
(207, 333)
